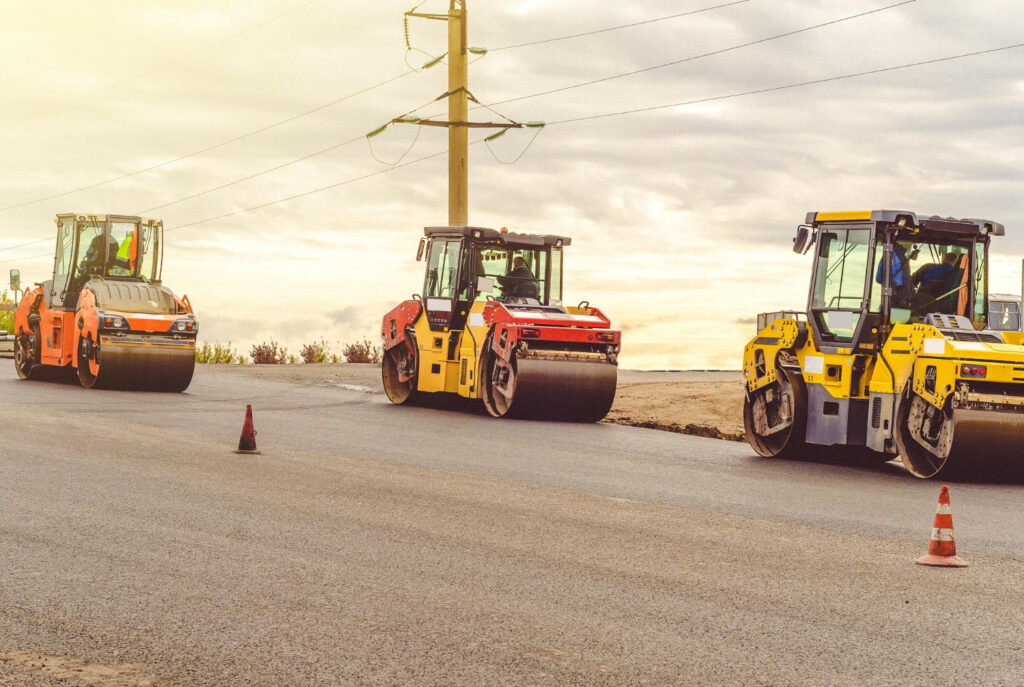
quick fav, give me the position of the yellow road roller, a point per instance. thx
(893, 355)
(490, 325)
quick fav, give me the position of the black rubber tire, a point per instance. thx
(399, 393)
(919, 461)
(26, 355)
(790, 443)
(85, 376)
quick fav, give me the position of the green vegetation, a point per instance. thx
(361, 352)
(318, 352)
(269, 354)
(218, 354)
(273, 353)
(6, 313)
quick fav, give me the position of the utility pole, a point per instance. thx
(458, 123)
(458, 113)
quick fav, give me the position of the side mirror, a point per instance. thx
(419, 250)
(484, 284)
(15, 280)
(801, 242)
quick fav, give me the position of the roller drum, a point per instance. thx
(983, 443)
(580, 391)
(142, 367)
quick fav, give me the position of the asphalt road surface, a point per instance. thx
(376, 545)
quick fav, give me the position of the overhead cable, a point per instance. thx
(158, 67)
(706, 54)
(800, 84)
(616, 28)
(251, 176)
(207, 149)
(909, 65)
(312, 191)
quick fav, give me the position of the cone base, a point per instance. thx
(942, 561)
(246, 450)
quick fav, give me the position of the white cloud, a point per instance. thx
(681, 218)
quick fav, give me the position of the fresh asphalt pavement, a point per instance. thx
(374, 544)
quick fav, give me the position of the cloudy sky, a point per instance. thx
(681, 216)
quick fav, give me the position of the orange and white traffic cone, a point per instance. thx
(247, 442)
(942, 547)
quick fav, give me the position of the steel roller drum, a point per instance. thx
(144, 366)
(563, 389)
(987, 440)
(984, 443)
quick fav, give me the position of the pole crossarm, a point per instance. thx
(443, 17)
(460, 89)
(471, 125)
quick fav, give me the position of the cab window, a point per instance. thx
(505, 273)
(123, 249)
(65, 254)
(841, 280)
(150, 250)
(980, 285)
(555, 280)
(442, 269)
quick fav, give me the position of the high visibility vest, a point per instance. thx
(127, 251)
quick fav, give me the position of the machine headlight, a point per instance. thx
(113, 322)
(184, 326)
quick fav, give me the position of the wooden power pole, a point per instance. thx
(458, 113)
(458, 123)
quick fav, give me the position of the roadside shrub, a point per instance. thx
(218, 354)
(6, 316)
(361, 352)
(318, 352)
(269, 353)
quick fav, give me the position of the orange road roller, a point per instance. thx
(105, 313)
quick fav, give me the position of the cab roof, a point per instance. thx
(485, 234)
(105, 218)
(968, 226)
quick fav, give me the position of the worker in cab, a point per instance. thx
(520, 282)
(933, 282)
(96, 255)
(931, 273)
(902, 289)
(124, 263)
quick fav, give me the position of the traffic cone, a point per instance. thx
(247, 443)
(942, 547)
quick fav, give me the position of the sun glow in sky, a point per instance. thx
(681, 217)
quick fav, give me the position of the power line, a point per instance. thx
(254, 132)
(158, 67)
(812, 82)
(275, 168)
(703, 55)
(616, 28)
(207, 148)
(344, 182)
(881, 70)
(19, 245)
(30, 257)
(312, 191)
(612, 114)
(871, 72)
(251, 176)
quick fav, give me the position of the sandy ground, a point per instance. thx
(705, 402)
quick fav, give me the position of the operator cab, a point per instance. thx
(467, 264)
(875, 269)
(107, 247)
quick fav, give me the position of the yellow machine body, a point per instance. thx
(919, 376)
(491, 325)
